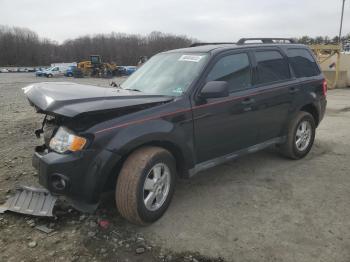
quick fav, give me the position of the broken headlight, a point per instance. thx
(64, 140)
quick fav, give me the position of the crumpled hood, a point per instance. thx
(70, 99)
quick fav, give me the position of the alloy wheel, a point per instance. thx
(156, 187)
(303, 135)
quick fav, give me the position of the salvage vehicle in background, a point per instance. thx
(127, 70)
(70, 71)
(55, 71)
(17, 70)
(30, 69)
(182, 112)
(12, 69)
(40, 72)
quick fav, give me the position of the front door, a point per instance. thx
(225, 125)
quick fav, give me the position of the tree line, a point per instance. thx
(323, 40)
(23, 47)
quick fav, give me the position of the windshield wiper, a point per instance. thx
(138, 90)
(132, 89)
(114, 84)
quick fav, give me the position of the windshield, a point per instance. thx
(166, 74)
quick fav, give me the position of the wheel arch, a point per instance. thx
(181, 164)
(312, 109)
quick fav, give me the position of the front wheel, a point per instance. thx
(146, 185)
(301, 136)
(49, 75)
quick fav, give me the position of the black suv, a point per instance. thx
(182, 112)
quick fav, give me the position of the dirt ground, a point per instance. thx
(259, 208)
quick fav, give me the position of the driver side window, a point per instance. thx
(234, 69)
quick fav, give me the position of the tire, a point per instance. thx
(132, 190)
(291, 148)
(49, 75)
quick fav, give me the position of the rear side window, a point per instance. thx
(271, 67)
(234, 69)
(303, 64)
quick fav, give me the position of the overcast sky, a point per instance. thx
(206, 20)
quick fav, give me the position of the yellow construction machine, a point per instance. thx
(95, 68)
(324, 53)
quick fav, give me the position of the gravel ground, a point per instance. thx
(258, 208)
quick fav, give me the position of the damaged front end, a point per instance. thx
(69, 165)
(70, 162)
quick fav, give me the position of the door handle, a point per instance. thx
(293, 90)
(248, 101)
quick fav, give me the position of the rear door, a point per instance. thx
(305, 68)
(225, 125)
(275, 91)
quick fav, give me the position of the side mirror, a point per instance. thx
(214, 89)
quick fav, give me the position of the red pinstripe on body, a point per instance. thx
(143, 120)
(187, 109)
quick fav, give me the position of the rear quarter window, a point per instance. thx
(302, 62)
(271, 67)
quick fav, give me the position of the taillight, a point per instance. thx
(324, 87)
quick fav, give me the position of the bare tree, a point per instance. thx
(23, 47)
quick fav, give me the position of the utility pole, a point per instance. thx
(341, 22)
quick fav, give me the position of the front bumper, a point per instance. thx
(79, 176)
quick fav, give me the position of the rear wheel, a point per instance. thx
(49, 75)
(146, 185)
(301, 135)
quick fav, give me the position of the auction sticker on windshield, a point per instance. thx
(191, 58)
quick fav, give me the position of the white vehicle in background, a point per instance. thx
(64, 64)
(4, 70)
(58, 69)
(54, 71)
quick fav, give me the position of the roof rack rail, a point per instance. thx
(266, 40)
(217, 43)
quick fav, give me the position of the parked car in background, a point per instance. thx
(66, 65)
(126, 70)
(4, 70)
(55, 71)
(40, 71)
(346, 49)
(130, 69)
(70, 71)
